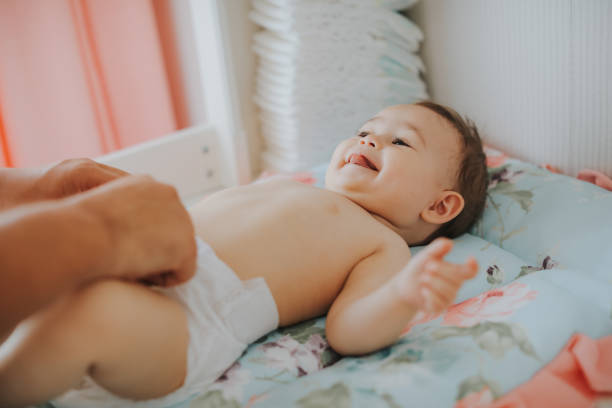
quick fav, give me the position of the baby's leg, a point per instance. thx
(131, 340)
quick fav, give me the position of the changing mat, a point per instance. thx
(545, 273)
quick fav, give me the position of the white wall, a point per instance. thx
(241, 31)
(533, 74)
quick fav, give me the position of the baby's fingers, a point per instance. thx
(432, 252)
(452, 272)
(433, 302)
(444, 288)
(456, 273)
(470, 268)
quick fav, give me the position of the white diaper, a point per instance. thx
(224, 313)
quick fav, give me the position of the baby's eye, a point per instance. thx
(400, 142)
(362, 134)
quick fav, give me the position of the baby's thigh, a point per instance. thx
(141, 338)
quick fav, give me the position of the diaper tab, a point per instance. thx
(251, 312)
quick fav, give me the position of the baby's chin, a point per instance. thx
(342, 185)
(356, 195)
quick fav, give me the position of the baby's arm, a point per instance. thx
(386, 289)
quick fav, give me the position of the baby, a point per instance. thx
(272, 254)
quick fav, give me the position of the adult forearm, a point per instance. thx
(47, 248)
(370, 323)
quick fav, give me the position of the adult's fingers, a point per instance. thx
(158, 279)
(96, 175)
(75, 176)
(113, 170)
(171, 278)
(181, 275)
(151, 228)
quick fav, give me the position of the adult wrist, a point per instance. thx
(48, 248)
(97, 238)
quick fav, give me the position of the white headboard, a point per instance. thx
(533, 74)
(191, 160)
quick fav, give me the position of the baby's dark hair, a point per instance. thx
(472, 179)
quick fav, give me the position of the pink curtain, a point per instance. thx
(79, 78)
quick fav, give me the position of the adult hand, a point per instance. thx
(73, 176)
(23, 186)
(151, 234)
(132, 227)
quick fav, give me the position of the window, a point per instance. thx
(164, 66)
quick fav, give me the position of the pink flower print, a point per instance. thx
(317, 345)
(495, 275)
(551, 168)
(493, 305)
(479, 399)
(420, 318)
(504, 175)
(255, 399)
(299, 359)
(547, 263)
(496, 161)
(232, 382)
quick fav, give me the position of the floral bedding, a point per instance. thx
(545, 273)
(534, 213)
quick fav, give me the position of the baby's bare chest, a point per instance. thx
(303, 240)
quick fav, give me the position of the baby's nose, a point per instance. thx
(370, 142)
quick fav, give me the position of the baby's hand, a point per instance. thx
(428, 282)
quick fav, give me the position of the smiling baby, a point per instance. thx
(272, 254)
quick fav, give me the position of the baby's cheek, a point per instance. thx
(339, 152)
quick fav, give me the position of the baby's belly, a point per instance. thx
(303, 284)
(304, 252)
(301, 288)
(302, 280)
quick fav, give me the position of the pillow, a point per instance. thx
(545, 218)
(506, 324)
(477, 350)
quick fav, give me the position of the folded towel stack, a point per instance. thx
(324, 68)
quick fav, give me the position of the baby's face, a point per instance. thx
(397, 164)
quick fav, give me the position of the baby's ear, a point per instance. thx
(446, 207)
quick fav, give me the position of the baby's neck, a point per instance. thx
(406, 233)
(414, 235)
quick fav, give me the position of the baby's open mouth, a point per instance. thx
(361, 160)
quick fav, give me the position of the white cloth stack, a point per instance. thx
(324, 68)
